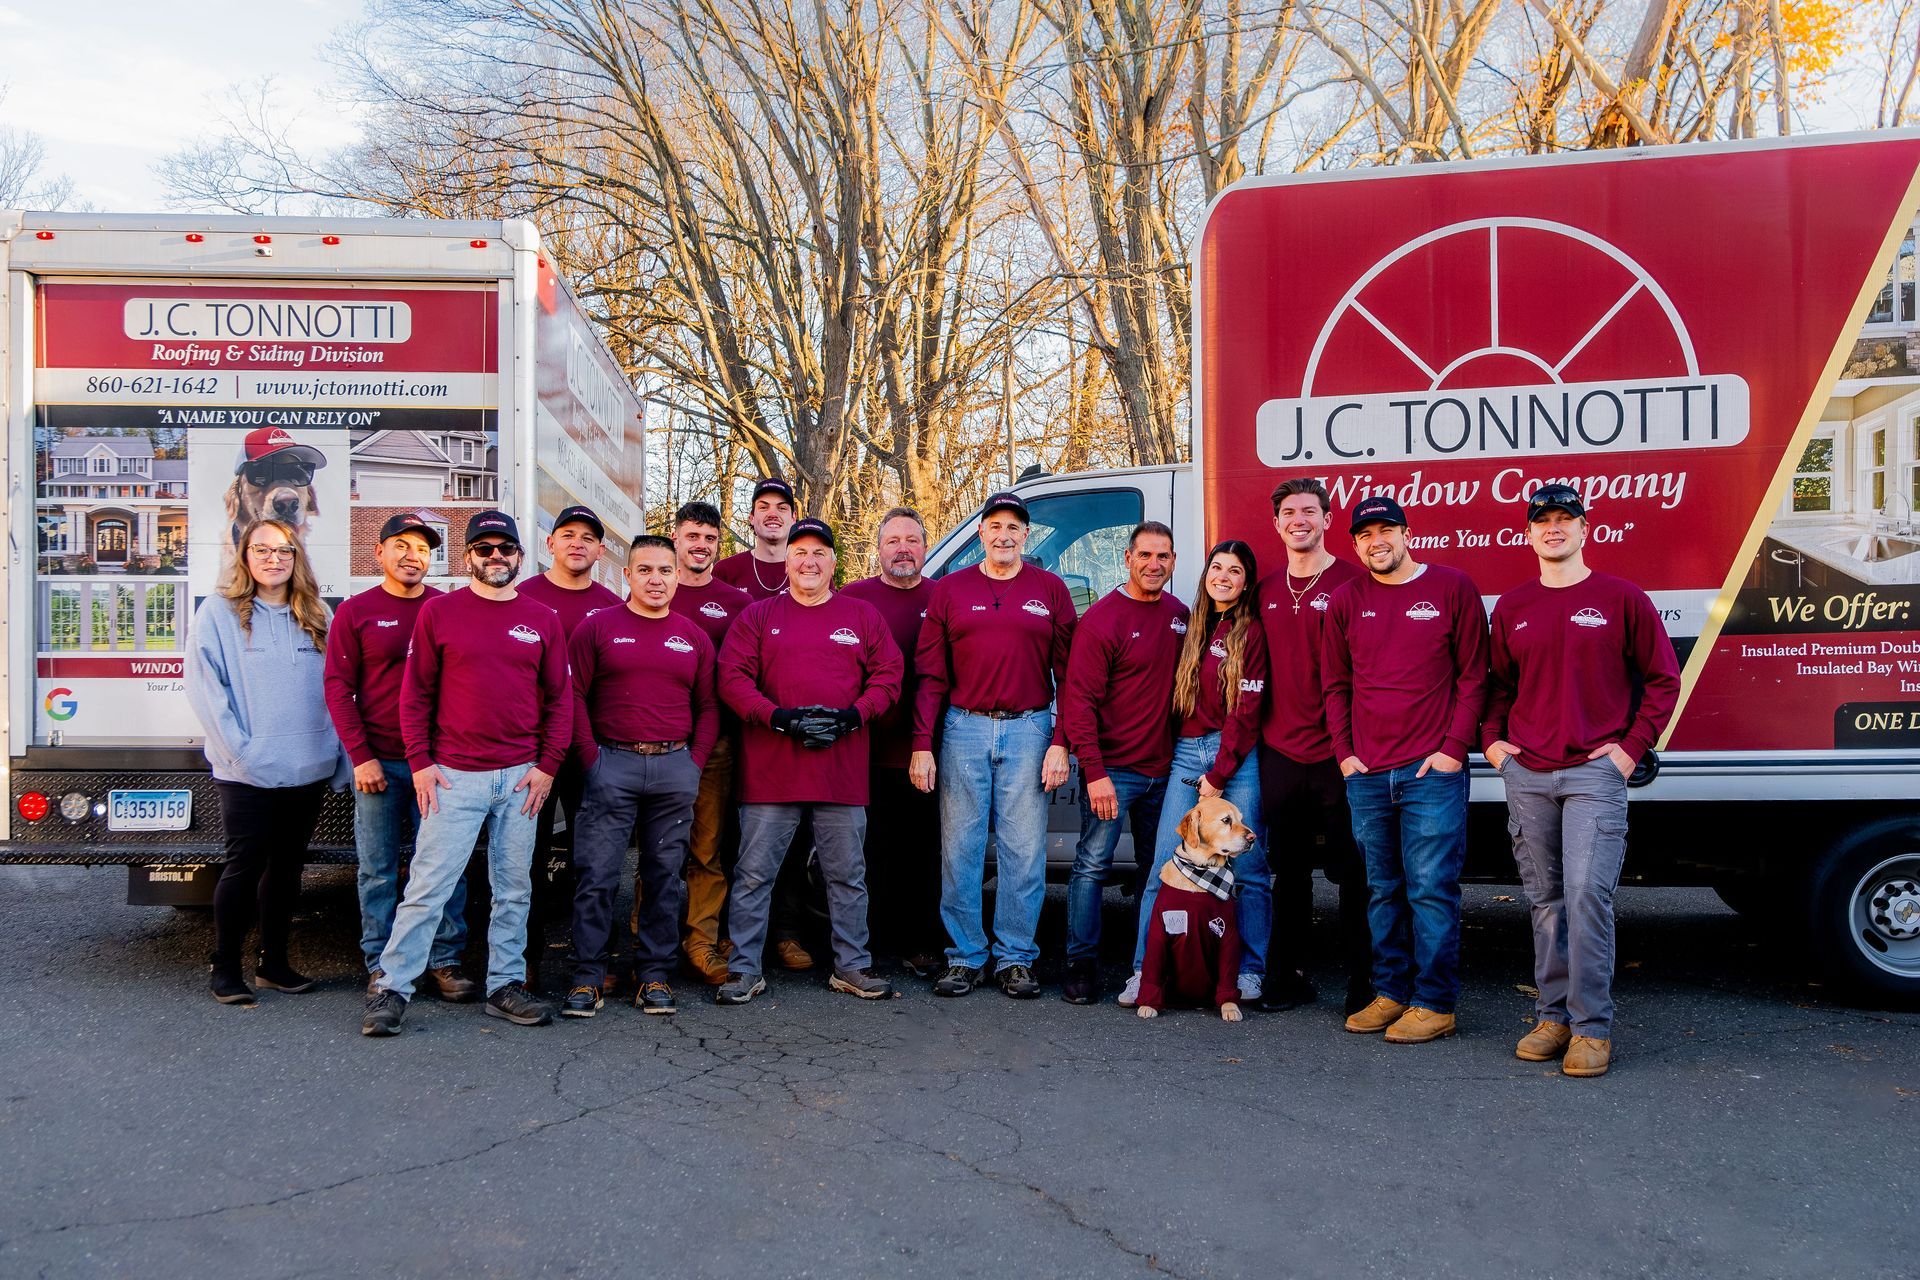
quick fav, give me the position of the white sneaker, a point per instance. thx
(1130, 994)
(1250, 986)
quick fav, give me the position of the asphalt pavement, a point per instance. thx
(1752, 1125)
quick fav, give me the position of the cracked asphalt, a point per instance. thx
(1752, 1125)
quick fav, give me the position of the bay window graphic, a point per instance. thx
(108, 615)
(1813, 478)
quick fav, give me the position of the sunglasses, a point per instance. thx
(494, 550)
(278, 471)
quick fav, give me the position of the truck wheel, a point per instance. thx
(1865, 905)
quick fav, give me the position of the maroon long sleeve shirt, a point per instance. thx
(643, 679)
(366, 659)
(1405, 668)
(1295, 723)
(569, 605)
(782, 654)
(904, 608)
(1239, 729)
(486, 685)
(990, 644)
(1120, 685)
(714, 605)
(1575, 668)
(758, 580)
(1193, 951)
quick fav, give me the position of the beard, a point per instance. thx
(903, 569)
(495, 574)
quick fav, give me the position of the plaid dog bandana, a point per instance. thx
(1217, 881)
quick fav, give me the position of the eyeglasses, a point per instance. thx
(494, 550)
(259, 552)
(277, 471)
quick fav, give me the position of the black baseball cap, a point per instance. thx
(1377, 510)
(497, 523)
(410, 522)
(774, 485)
(577, 514)
(810, 528)
(1555, 497)
(1006, 502)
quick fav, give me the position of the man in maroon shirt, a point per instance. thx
(1404, 661)
(715, 607)
(486, 711)
(992, 654)
(1115, 704)
(903, 822)
(366, 657)
(1584, 681)
(644, 675)
(1302, 794)
(577, 543)
(806, 671)
(760, 570)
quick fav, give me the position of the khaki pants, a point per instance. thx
(706, 873)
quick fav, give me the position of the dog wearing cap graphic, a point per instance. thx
(272, 480)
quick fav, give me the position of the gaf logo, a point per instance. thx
(678, 644)
(1253, 686)
(525, 634)
(1423, 612)
(1590, 618)
(844, 635)
(713, 610)
(1035, 608)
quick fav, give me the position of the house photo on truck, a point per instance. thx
(168, 379)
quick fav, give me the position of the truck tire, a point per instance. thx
(1864, 907)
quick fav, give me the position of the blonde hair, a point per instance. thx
(303, 592)
(1241, 617)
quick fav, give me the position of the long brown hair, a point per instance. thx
(303, 592)
(1241, 617)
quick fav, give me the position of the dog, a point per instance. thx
(292, 504)
(1193, 941)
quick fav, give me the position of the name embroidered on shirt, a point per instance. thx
(844, 636)
(525, 634)
(1423, 612)
(1368, 613)
(386, 622)
(1589, 618)
(623, 640)
(1520, 626)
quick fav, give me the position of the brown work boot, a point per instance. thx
(451, 985)
(1376, 1017)
(1587, 1056)
(1547, 1041)
(1417, 1026)
(705, 960)
(792, 955)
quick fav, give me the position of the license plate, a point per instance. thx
(149, 810)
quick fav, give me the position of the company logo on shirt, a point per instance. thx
(1217, 927)
(1218, 650)
(844, 636)
(1253, 686)
(773, 631)
(1319, 602)
(1423, 612)
(525, 634)
(1178, 627)
(678, 644)
(713, 610)
(1589, 618)
(1035, 608)
(386, 622)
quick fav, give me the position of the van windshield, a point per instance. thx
(1080, 536)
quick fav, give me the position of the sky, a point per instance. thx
(112, 86)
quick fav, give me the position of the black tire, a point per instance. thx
(1863, 908)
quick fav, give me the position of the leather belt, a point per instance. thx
(645, 748)
(1004, 715)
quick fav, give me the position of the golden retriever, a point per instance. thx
(1212, 833)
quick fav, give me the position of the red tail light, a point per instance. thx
(476, 244)
(33, 805)
(43, 235)
(263, 239)
(194, 237)
(329, 239)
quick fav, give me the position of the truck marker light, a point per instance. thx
(75, 805)
(263, 239)
(329, 239)
(43, 235)
(477, 244)
(194, 237)
(33, 805)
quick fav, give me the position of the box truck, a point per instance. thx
(1718, 346)
(163, 380)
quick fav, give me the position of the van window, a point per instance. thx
(1080, 536)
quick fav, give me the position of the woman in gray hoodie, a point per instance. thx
(255, 659)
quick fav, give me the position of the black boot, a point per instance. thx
(226, 984)
(278, 975)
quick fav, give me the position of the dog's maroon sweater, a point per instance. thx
(1193, 951)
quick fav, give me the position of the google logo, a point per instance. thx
(61, 704)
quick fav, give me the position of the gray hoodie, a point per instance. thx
(259, 698)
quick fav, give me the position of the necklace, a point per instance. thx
(1002, 591)
(1300, 595)
(780, 581)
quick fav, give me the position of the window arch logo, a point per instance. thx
(1503, 377)
(60, 704)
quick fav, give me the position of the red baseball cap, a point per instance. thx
(274, 442)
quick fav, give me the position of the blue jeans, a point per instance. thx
(1412, 832)
(467, 804)
(1253, 882)
(383, 824)
(1140, 798)
(990, 779)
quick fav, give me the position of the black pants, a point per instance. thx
(267, 833)
(903, 866)
(568, 787)
(1308, 825)
(657, 792)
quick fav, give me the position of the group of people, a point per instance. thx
(887, 728)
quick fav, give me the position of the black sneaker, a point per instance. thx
(1082, 983)
(1289, 989)
(385, 1009)
(519, 1006)
(860, 982)
(958, 980)
(1017, 981)
(655, 997)
(739, 988)
(282, 977)
(228, 987)
(581, 1002)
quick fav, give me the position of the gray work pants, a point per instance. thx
(1569, 829)
(839, 839)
